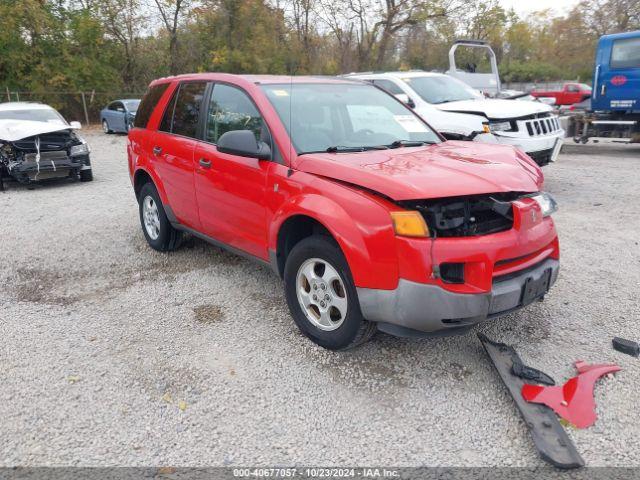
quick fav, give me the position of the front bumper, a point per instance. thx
(429, 308)
(51, 165)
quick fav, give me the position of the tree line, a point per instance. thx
(121, 45)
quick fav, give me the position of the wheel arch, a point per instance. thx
(142, 176)
(300, 217)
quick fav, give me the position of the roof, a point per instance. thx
(24, 106)
(408, 74)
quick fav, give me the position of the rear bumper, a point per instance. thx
(430, 308)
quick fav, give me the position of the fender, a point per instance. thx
(355, 224)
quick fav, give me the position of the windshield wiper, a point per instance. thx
(410, 143)
(342, 149)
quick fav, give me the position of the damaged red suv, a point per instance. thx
(369, 216)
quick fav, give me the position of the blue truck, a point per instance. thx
(614, 107)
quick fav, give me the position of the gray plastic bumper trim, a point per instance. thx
(430, 308)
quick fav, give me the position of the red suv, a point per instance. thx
(369, 216)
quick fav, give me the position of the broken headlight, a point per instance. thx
(547, 203)
(82, 149)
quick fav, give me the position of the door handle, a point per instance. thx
(157, 150)
(204, 163)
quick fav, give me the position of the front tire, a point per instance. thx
(157, 229)
(86, 175)
(322, 297)
(105, 127)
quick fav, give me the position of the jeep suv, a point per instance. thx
(371, 218)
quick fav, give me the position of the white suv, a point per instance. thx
(461, 113)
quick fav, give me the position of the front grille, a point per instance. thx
(48, 142)
(542, 126)
(467, 216)
(46, 156)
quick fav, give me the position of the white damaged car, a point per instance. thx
(37, 143)
(460, 112)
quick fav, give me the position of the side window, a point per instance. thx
(148, 104)
(187, 109)
(388, 86)
(625, 53)
(573, 88)
(113, 106)
(231, 109)
(167, 118)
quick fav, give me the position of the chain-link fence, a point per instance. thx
(83, 107)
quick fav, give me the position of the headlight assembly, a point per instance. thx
(547, 203)
(82, 149)
(500, 126)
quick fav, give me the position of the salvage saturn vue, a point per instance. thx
(372, 219)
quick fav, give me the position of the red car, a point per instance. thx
(569, 94)
(372, 219)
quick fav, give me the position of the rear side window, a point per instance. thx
(148, 104)
(182, 113)
(625, 53)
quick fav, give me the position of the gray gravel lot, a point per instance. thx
(113, 354)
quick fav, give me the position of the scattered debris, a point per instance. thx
(167, 397)
(573, 401)
(549, 437)
(525, 372)
(626, 346)
(73, 379)
(182, 405)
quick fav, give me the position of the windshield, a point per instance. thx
(132, 105)
(441, 89)
(48, 115)
(345, 117)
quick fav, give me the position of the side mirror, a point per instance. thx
(244, 144)
(404, 98)
(75, 125)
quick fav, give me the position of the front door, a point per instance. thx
(231, 189)
(618, 65)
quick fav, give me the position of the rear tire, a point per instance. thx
(316, 268)
(157, 229)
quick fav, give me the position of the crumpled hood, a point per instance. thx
(443, 170)
(495, 108)
(14, 130)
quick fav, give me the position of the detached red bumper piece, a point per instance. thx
(574, 400)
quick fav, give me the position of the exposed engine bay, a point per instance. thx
(53, 154)
(467, 216)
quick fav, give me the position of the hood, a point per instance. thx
(446, 169)
(495, 108)
(14, 130)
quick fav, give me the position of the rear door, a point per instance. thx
(173, 149)
(231, 189)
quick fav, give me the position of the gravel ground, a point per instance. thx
(113, 354)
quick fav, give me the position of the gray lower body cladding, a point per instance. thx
(431, 309)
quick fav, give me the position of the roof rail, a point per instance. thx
(472, 41)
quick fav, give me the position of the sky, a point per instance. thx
(524, 7)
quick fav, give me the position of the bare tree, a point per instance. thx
(171, 12)
(123, 20)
